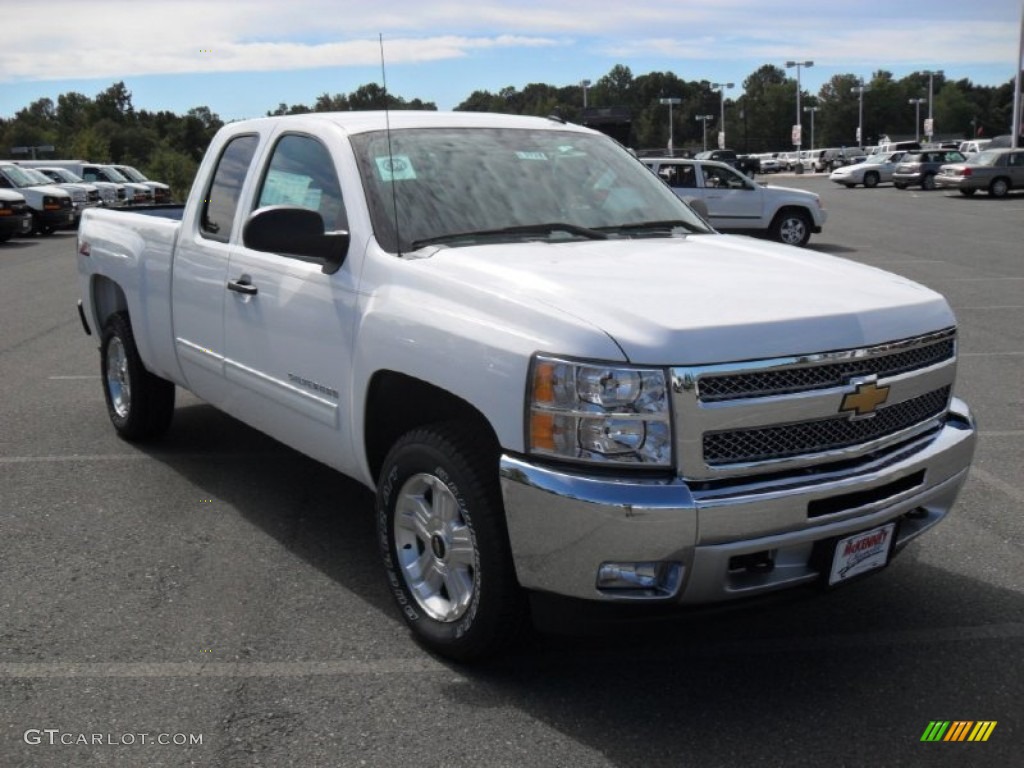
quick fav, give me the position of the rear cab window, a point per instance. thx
(220, 203)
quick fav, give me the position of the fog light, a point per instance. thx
(658, 579)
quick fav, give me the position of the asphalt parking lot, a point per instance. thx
(220, 587)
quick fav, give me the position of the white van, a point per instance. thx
(135, 194)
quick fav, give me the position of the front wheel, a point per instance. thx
(140, 405)
(791, 228)
(968, 192)
(899, 185)
(871, 180)
(442, 536)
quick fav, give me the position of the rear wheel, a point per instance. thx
(999, 187)
(140, 405)
(928, 182)
(441, 530)
(871, 179)
(791, 227)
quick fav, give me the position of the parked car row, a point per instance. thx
(995, 171)
(54, 193)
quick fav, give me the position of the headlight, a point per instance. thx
(599, 413)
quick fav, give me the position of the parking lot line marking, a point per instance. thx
(991, 354)
(996, 306)
(987, 478)
(250, 669)
(71, 378)
(130, 457)
(71, 670)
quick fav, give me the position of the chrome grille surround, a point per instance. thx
(821, 376)
(768, 416)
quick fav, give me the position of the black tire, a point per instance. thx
(968, 192)
(870, 180)
(5, 236)
(928, 182)
(850, 186)
(899, 185)
(999, 187)
(140, 405)
(792, 227)
(450, 569)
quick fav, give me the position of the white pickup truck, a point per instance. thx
(555, 376)
(736, 203)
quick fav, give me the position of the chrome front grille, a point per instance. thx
(823, 435)
(801, 379)
(743, 419)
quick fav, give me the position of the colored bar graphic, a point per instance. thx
(935, 731)
(982, 730)
(958, 730)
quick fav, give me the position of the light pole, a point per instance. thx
(917, 116)
(584, 84)
(799, 125)
(720, 87)
(704, 119)
(931, 82)
(812, 110)
(859, 90)
(670, 101)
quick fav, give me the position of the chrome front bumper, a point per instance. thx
(563, 526)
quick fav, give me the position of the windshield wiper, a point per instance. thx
(652, 226)
(525, 229)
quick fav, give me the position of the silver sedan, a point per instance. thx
(871, 172)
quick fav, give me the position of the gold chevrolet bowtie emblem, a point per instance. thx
(865, 399)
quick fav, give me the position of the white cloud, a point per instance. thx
(121, 38)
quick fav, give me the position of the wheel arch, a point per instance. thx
(107, 298)
(397, 403)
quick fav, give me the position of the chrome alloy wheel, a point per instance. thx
(119, 382)
(793, 230)
(435, 548)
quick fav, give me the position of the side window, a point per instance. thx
(301, 172)
(679, 175)
(221, 202)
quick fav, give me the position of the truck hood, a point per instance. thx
(700, 299)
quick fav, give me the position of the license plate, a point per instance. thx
(861, 553)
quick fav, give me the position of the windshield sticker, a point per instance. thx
(531, 156)
(395, 168)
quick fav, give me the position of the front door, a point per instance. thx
(733, 203)
(288, 326)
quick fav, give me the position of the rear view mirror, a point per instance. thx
(295, 231)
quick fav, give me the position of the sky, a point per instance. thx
(242, 58)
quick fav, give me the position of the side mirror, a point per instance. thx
(295, 231)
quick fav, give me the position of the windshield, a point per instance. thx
(17, 176)
(63, 174)
(111, 174)
(459, 186)
(990, 157)
(131, 173)
(37, 177)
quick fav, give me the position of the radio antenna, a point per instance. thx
(391, 156)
